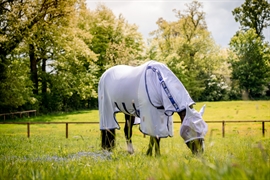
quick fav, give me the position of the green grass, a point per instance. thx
(236, 110)
(225, 110)
(47, 154)
(53, 157)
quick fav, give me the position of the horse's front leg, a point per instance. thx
(150, 146)
(157, 146)
(108, 139)
(128, 132)
(154, 141)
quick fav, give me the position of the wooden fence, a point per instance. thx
(20, 113)
(67, 123)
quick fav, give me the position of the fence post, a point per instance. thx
(66, 130)
(223, 128)
(28, 130)
(263, 128)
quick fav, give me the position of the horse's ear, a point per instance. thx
(188, 111)
(202, 110)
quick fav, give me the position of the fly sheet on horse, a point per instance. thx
(150, 92)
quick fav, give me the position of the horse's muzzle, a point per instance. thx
(196, 146)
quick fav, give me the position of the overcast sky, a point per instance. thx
(145, 13)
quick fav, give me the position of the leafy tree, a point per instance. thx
(42, 40)
(70, 74)
(187, 47)
(114, 40)
(16, 91)
(17, 18)
(126, 44)
(250, 67)
(47, 42)
(253, 14)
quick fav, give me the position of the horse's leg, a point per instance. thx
(150, 146)
(157, 146)
(154, 141)
(108, 139)
(128, 132)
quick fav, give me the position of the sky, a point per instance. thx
(145, 13)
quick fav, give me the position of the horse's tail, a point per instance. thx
(108, 139)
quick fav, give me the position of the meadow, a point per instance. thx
(47, 154)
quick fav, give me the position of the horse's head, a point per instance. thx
(193, 129)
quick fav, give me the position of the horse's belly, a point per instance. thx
(125, 98)
(122, 89)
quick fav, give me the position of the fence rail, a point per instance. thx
(20, 112)
(67, 123)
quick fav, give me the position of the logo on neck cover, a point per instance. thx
(193, 126)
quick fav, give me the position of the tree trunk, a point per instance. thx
(3, 79)
(44, 79)
(33, 68)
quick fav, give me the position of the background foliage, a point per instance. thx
(53, 53)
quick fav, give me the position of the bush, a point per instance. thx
(216, 89)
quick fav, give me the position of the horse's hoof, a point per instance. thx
(130, 149)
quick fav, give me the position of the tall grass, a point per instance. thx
(47, 154)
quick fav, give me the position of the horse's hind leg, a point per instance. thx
(108, 139)
(128, 132)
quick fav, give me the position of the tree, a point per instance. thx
(253, 14)
(41, 41)
(250, 67)
(114, 39)
(65, 63)
(187, 47)
(17, 88)
(18, 19)
(44, 38)
(126, 45)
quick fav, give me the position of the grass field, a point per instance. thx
(47, 154)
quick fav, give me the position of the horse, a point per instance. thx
(148, 95)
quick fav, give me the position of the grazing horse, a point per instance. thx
(148, 94)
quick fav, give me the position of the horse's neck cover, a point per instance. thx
(193, 126)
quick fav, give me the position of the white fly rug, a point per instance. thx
(150, 92)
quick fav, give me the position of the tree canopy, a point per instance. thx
(253, 14)
(250, 67)
(18, 20)
(187, 47)
(250, 64)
